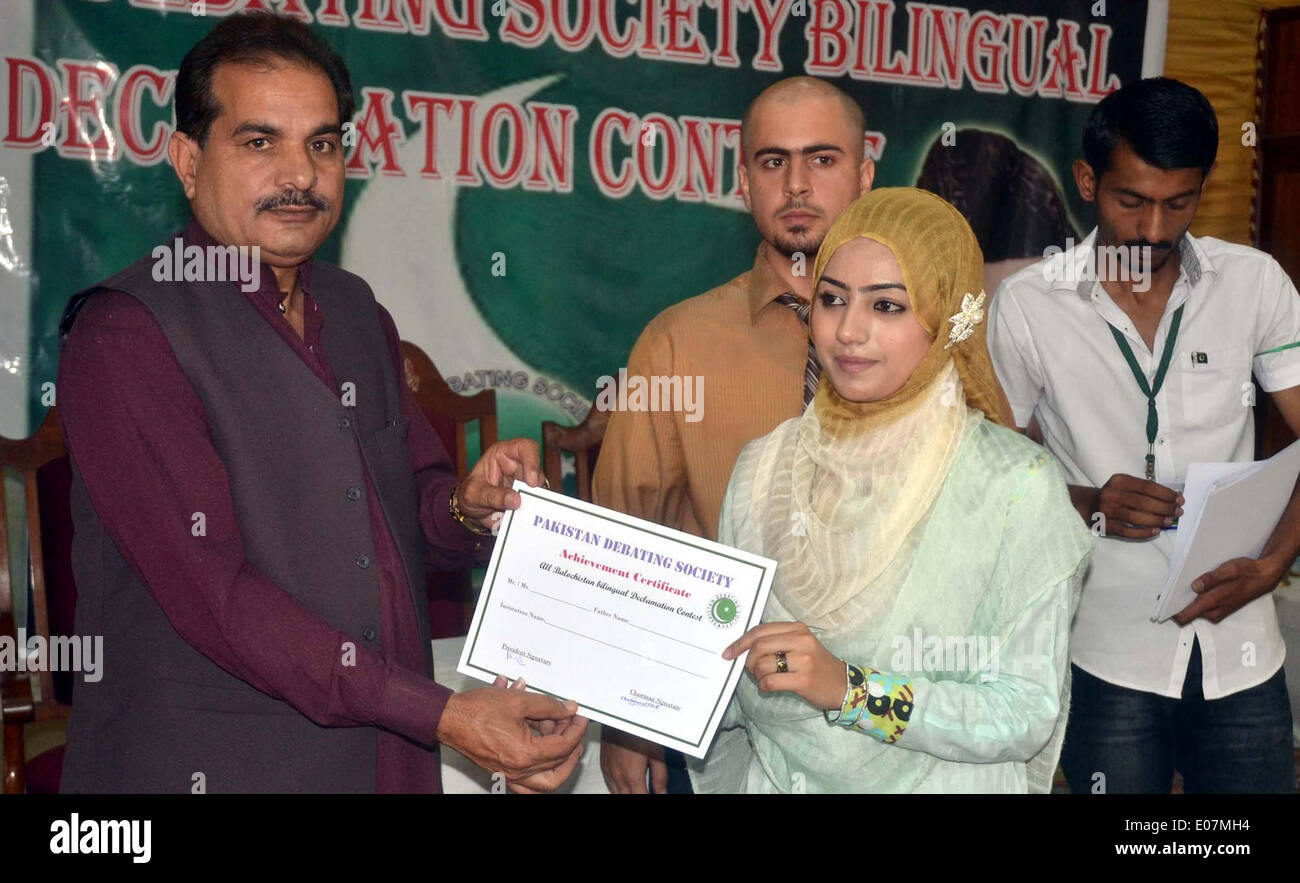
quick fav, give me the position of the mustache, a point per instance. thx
(799, 206)
(293, 199)
(1154, 246)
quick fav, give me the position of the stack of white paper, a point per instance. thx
(1230, 511)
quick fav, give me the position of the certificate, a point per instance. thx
(622, 616)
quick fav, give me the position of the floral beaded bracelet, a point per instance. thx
(876, 703)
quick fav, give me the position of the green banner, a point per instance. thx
(530, 181)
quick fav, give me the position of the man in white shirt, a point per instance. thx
(1128, 371)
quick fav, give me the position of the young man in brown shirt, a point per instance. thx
(804, 162)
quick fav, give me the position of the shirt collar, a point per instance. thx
(269, 289)
(1194, 260)
(1193, 264)
(765, 283)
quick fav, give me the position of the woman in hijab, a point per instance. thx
(929, 559)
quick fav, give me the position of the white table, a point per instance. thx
(460, 776)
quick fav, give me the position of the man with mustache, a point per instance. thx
(804, 161)
(1129, 371)
(256, 493)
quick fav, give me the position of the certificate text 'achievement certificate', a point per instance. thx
(627, 618)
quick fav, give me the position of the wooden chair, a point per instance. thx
(451, 593)
(34, 697)
(582, 441)
(439, 402)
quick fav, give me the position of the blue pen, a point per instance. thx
(1177, 488)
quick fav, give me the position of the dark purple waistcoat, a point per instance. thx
(163, 711)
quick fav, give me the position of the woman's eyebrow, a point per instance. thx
(879, 286)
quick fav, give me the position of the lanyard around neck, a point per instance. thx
(1151, 391)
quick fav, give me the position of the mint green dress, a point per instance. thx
(978, 618)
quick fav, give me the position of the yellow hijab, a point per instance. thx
(941, 263)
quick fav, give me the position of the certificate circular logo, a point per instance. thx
(723, 610)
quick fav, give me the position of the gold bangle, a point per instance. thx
(460, 516)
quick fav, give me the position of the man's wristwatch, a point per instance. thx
(460, 516)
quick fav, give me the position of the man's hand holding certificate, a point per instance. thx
(627, 618)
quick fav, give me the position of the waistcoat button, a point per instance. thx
(354, 493)
(363, 561)
(368, 633)
(345, 423)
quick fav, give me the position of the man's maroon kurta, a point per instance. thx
(140, 440)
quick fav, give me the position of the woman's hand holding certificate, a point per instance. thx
(786, 656)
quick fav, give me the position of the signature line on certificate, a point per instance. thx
(624, 649)
(634, 625)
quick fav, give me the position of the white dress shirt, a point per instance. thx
(1057, 360)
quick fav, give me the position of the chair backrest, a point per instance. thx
(582, 441)
(451, 593)
(439, 402)
(41, 461)
(27, 457)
